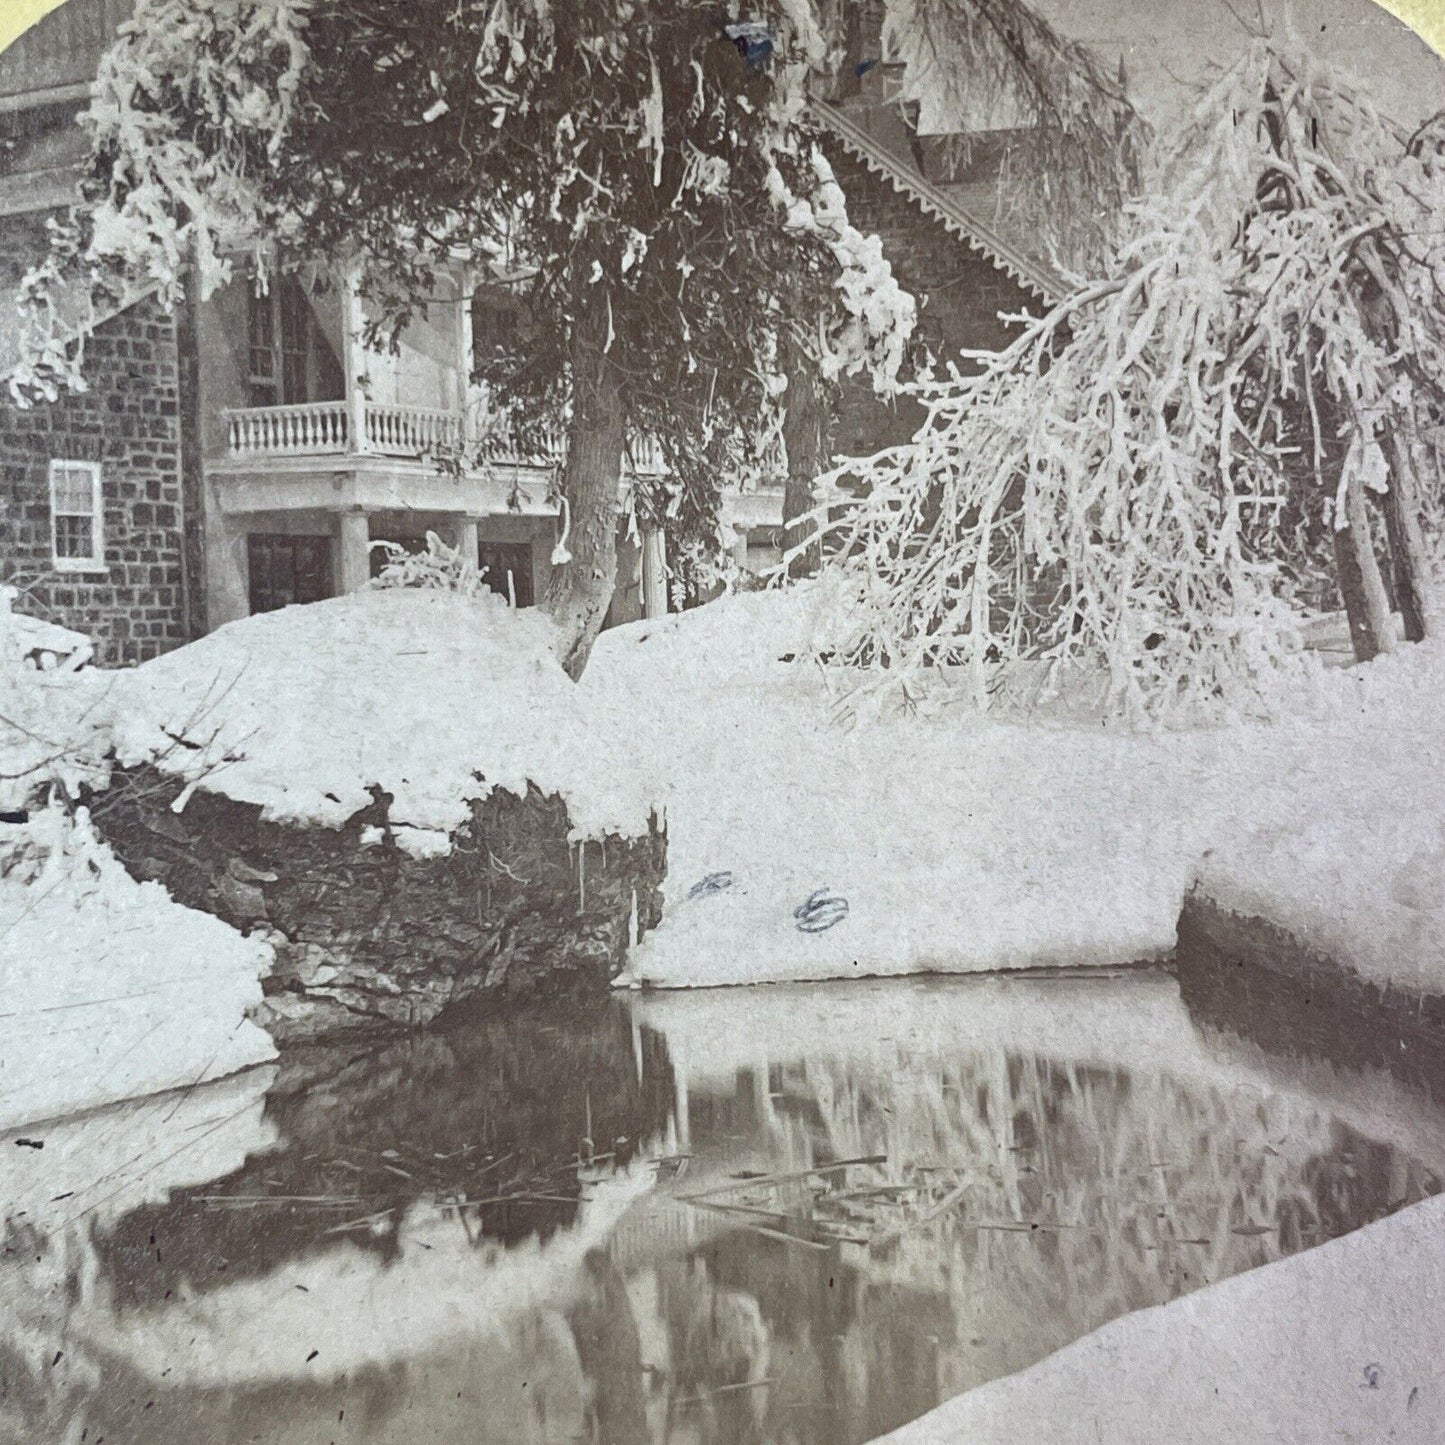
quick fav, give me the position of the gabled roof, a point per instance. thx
(968, 211)
(76, 315)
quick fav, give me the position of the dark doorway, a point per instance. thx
(501, 560)
(287, 569)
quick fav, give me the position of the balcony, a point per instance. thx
(325, 429)
(402, 433)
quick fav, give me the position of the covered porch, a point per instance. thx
(317, 446)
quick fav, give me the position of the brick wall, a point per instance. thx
(960, 294)
(129, 422)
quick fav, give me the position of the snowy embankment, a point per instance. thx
(1348, 854)
(961, 843)
(108, 989)
(1338, 1343)
(433, 697)
(111, 990)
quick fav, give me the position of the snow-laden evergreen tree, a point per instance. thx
(663, 191)
(1135, 488)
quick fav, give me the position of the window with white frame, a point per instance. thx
(77, 541)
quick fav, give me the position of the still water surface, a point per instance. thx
(639, 1223)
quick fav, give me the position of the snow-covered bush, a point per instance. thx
(1114, 494)
(438, 568)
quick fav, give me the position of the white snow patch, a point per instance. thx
(1337, 1343)
(110, 988)
(434, 697)
(963, 843)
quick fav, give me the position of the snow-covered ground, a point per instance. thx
(435, 697)
(111, 989)
(960, 843)
(1340, 1343)
(799, 847)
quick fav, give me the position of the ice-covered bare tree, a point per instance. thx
(1072, 161)
(662, 189)
(1121, 493)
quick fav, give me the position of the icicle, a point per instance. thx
(582, 876)
(560, 555)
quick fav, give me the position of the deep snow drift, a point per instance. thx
(1338, 1343)
(434, 697)
(111, 989)
(799, 847)
(965, 843)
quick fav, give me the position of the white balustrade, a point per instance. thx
(311, 429)
(323, 428)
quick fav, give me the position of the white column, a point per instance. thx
(353, 570)
(467, 543)
(465, 343)
(740, 548)
(353, 360)
(654, 573)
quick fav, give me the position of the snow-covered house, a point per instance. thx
(244, 453)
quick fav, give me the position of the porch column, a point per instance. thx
(353, 360)
(654, 573)
(467, 541)
(740, 548)
(353, 569)
(465, 360)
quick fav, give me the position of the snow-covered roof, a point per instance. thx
(968, 211)
(76, 315)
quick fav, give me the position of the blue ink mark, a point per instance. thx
(863, 67)
(754, 41)
(713, 883)
(1373, 1375)
(1414, 1398)
(821, 912)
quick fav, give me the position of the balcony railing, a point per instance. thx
(413, 431)
(324, 428)
(317, 428)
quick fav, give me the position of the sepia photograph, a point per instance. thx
(722, 722)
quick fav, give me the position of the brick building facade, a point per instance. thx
(120, 574)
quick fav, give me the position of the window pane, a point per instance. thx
(74, 537)
(72, 491)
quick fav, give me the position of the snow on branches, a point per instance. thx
(1112, 497)
(878, 315)
(165, 192)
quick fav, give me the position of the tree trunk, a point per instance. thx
(1361, 585)
(1407, 544)
(806, 426)
(581, 589)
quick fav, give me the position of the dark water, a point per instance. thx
(637, 1224)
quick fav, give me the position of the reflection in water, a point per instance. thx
(778, 1215)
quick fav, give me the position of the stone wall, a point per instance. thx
(129, 422)
(367, 934)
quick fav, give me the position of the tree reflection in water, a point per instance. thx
(437, 1219)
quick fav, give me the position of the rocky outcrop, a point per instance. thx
(367, 934)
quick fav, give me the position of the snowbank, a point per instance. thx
(1351, 861)
(110, 990)
(1338, 1343)
(959, 843)
(434, 697)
